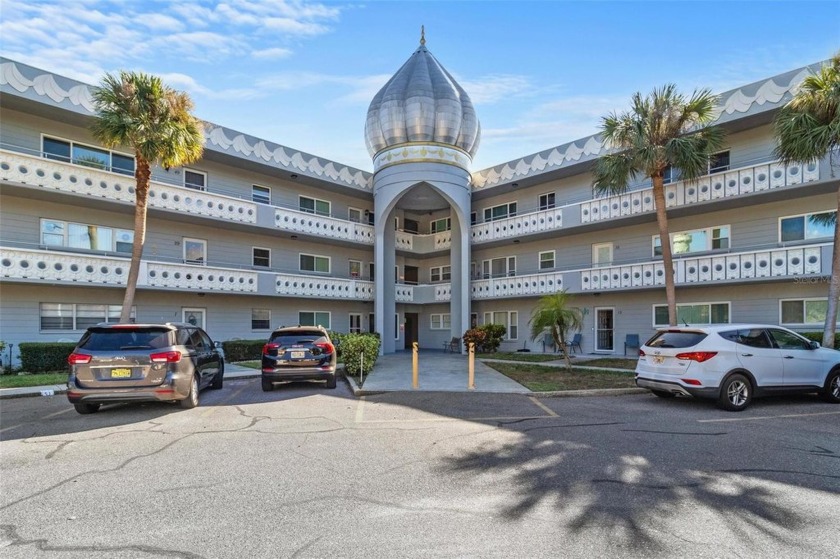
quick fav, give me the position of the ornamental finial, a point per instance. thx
(422, 35)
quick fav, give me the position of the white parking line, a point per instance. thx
(360, 410)
(543, 407)
(788, 416)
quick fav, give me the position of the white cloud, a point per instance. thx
(492, 88)
(272, 53)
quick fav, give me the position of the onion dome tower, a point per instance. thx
(422, 133)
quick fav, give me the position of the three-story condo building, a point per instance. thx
(257, 235)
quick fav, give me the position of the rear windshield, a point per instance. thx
(110, 339)
(296, 337)
(676, 339)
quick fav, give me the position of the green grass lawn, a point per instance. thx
(521, 356)
(250, 364)
(547, 379)
(610, 362)
(38, 379)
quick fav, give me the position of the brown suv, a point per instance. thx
(142, 362)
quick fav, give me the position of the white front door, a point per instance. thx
(604, 330)
(194, 316)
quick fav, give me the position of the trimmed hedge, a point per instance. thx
(353, 347)
(243, 350)
(42, 357)
(818, 337)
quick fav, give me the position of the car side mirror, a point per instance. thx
(815, 345)
(218, 345)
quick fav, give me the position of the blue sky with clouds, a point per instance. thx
(303, 73)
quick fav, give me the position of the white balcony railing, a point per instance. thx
(74, 268)
(95, 183)
(322, 226)
(738, 182)
(510, 227)
(300, 285)
(517, 286)
(770, 263)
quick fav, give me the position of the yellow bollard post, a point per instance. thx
(471, 381)
(414, 366)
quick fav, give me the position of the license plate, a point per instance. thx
(658, 359)
(120, 373)
(298, 354)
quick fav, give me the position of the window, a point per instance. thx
(260, 319)
(312, 263)
(670, 175)
(719, 162)
(796, 312)
(699, 240)
(84, 236)
(195, 251)
(312, 318)
(411, 226)
(807, 226)
(355, 269)
(788, 340)
(500, 212)
(261, 257)
(313, 206)
(473, 218)
(396, 326)
(547, 260)
(261, 194)
(354, 215)
(371, 323)
(440, 225)
(499, 267)
(71, 152)
(441, 321)
(441, 273)
(695, 313)
(546, 201)
(72, 316)
(355, 323)
(602, 254)
(195, 179)
(508, 319)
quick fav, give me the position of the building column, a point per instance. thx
(459, 305)
(385, 305)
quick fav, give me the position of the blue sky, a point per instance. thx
(303, 73)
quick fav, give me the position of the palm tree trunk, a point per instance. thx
(665, 241)
(561, 339)
(833, 286)
(141, 201)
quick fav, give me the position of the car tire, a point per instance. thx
(191, 400)
(831, 391)
(331, 382)
(219, 379)
(85, 409)
(664, 394)
(267, 385)
(735, 393)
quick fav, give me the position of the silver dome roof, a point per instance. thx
(422, 103)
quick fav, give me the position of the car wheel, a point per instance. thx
(735, 393)
(663, 394)
(219, 379)
(831, 390)
(191, 400)
(267, 385)
(331, 382)
(85, 409)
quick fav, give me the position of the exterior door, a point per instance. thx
(604, 330)
(411, 323)
(355, 323)
(801, 365)
(194, 316)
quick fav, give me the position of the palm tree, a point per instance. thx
(807, 129)
(554, 314)
(660, 131)
(139, 111)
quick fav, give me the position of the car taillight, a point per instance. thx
(166, 357)
(326, 347)
(699, 356)
(269, 347)
(641, 353)
(78, 359)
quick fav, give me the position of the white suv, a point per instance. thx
(731, 363)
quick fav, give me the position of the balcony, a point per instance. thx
(768, 263)
(517, 286)
(95, 183)
(322, 226)
(76, 268)
(730, 184)
(300, 285)
(423, 244)
(511, 227)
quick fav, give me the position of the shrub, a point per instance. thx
(487, 338)
(243, 350)
(42, 357)
(818, 336)
(354, 347)
(337, 340)
(475, 336)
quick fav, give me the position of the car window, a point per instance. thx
(752, 337)
(297, 337)
(672, 338)
(197, 342)
(788, 340)
(112, 339)
(205, 339)
(184, 338)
